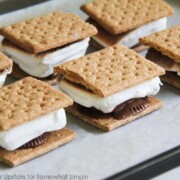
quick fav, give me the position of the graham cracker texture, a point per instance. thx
(19, 156)
(48, 31)
(107, 122)
(117, 16)
(20, 74)
(28, 99)
(167, 42)
(5, 62)
(171, 78)
(110, 70)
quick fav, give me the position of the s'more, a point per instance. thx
(37, 45)
(165, 51)
(125, 21)
(32, 120)
(111, 87)
(6, 65)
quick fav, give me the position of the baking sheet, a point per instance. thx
(95, 154)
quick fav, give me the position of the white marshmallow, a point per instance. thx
(19, 135)
(3, 76)
(42, 66)
(107, 104)
(132, 38)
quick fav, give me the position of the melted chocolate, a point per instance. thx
(129, 108)
(91, 112)
(126, 109)
(36, 142)
(160, 59)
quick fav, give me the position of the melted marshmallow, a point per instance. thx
(107, 104)
(19, 135)
(42, 66)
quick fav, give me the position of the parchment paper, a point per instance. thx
(95, 154)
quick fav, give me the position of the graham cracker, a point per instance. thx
(107, 122)
(5, 62)
(19, 156)
(166, 41)
(110, 70)
(171, 78)
(20, 74)
(48, 31)
(117, 16)
(28, 99)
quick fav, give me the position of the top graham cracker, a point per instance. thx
(5, 62)
(117, 16)
(48, 31)
(28, 99)
(110, 70)
(166, 41)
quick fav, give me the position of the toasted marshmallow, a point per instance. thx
(3, 76)
(131, 38)
(107, 104)
(20, 135)
(41, 65)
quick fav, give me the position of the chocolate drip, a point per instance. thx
(129, 108)
(36, 142)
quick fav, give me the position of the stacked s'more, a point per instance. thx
(32, 120)
(5, 68)
(111, 87)
(125, 21)
(165, 51)
(37, 45)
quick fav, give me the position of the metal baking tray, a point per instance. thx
(125, 152)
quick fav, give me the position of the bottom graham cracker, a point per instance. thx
(19, 156)
(171, 78)
(107, 122)
(20, 74)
